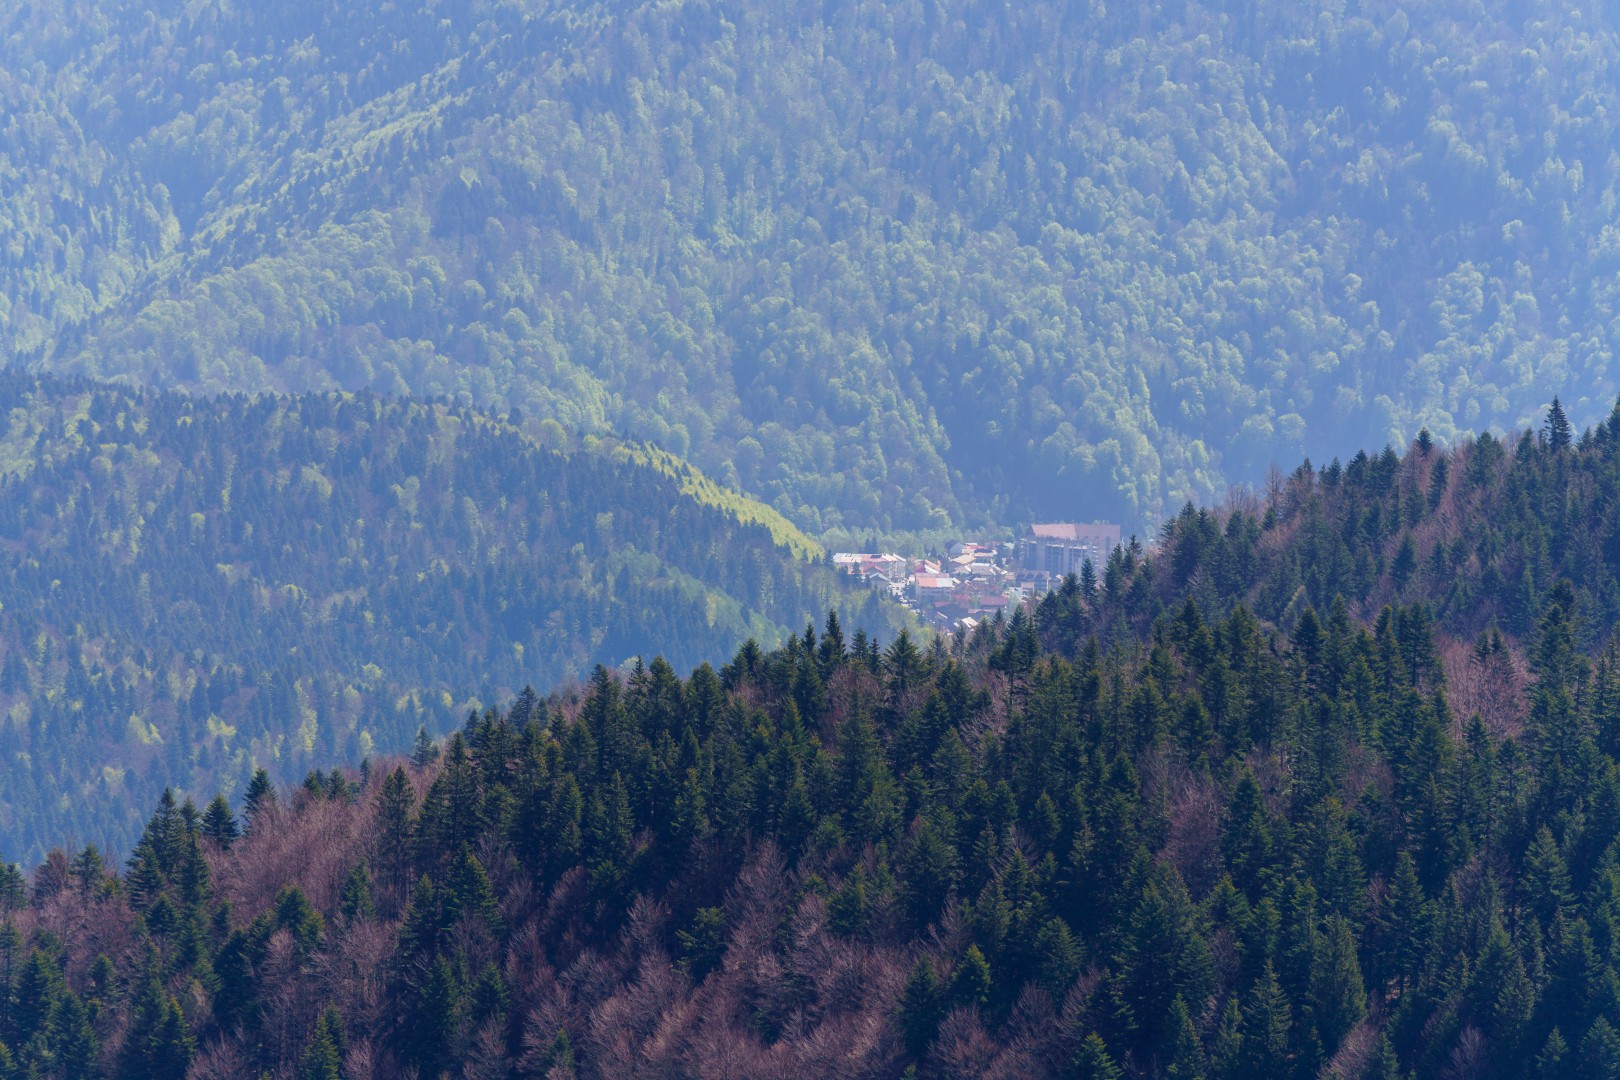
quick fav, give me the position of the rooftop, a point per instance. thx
(1097, 531)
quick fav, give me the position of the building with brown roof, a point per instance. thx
(1059, 549)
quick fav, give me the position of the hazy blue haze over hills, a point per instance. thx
(885, 265)
(384, 309)
(192, 587)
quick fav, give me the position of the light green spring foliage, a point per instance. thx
(885, 266)
(693, 483)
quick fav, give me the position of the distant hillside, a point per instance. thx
(191, 587)
(884, 265)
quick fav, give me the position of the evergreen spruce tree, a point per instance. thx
(13, 888)
(703, 945)
(395, 806)
(295, 914)
(1553, 1063)
(1267, 1020)
(921, 1007)
(424, 751)
(322, 1059)
(1557, 430)
(970, 984)
(1226, 1055)
(929, 868)
(420, 924)
(1093, 1062)
(560, 1055)
(1058, 956)
(1600, 1051)
(355, 903)
(1384, 1065)
(433, 1038)
(490, 998)
(1404, 928)
(1546, 879)
(1187, 1060)
(1338, 996)
(89, 869)
(38, 986)
(74, 1043)
(260, 800)
(219, 824)
(1502, 996)
(159, 1044)
(830, 652)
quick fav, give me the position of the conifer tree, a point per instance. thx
(1058, 956)
(295, 914)
(704, 943)
(260, 800)
(1502, 995)
(928, 865)
(970, 984)
(1546, 879)
(219, 824)
(424, 751)
(1557, 430)
(13, 888)
(322, 1059)
(393, 838)
(355, 903)
(1247, 842)
(159, 1044)
(921, 1007)
(74, 1043)
(1187, 1060)
(1338, 996)
(830, 652)
(1600, 1051)
(1226, 1060)
(849, 908)
(420, 924)
(560, 1055)
(490, 998)
(1404, 928)
(1093, 1062)
(1553, 1061)
(433, 1036)
(1267, 1020)
(89, 869)
(469, 894)
(38, 985)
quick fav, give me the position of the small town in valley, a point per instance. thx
(970, 581)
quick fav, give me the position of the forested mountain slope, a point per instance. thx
(192, 587)
(1138, 832)
(882, 264)
(1479, 540)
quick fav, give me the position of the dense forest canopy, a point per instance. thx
(192, 587)
(885, 265)
(1186, 818)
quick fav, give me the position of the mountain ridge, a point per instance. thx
(889, 269)
(196, 586)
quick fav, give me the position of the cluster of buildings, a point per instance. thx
(971, 581)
